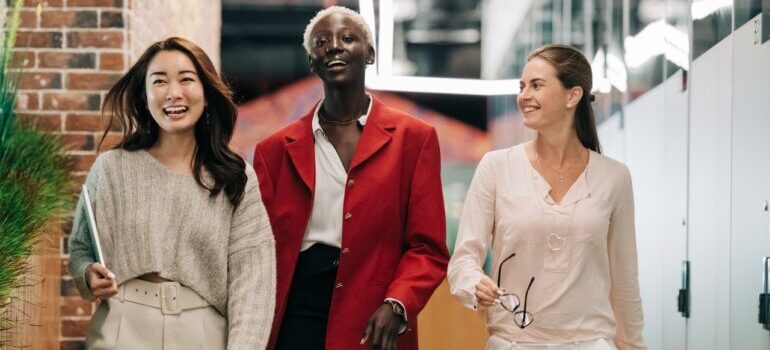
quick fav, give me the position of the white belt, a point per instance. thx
(170, 297)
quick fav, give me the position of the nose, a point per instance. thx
(174, 91)
(334, 45)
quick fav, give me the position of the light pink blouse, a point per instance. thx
(582, 251)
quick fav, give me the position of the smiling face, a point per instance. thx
(543, 100)
(174, 92)
(339, 52)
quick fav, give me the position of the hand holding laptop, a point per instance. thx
(100, 279)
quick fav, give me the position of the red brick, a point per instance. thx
(78, 180)
(83, 122)
(95, 3)
(111, 19)
(23, 59)
(68, 288)
(27, 101)
(40, 80)
(72, 345)
(77, 142)
(74, 328)
(27, 19)
(68, 19)
(109, 141)
(71, 101)
(91, 81)
(44, 122)
(111, 61)
(39, 39)
(75, 306)
(97, 39)
(82, 162)
(56, 59)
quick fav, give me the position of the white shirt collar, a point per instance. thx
(362, 119)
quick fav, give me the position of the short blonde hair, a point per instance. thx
(353, 15)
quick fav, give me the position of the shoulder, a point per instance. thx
(407, 122)
(613, 170)
(278, 137)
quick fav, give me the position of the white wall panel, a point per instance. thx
(709, 198)
(751, 186)
(673, 208)
(644, 151)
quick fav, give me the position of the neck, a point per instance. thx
(558, 148)
(179, 148)
(344, 103)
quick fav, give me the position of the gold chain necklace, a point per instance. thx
(560, 173)
(323, 119)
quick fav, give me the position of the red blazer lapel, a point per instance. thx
(377, 133)
(300, 145)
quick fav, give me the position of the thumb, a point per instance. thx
(103, 271)
(368, 331)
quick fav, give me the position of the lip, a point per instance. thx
(336, 65)
(176, 116)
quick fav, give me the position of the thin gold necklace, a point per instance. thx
(560, 173)
(323, 119)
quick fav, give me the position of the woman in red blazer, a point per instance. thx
(353, 191)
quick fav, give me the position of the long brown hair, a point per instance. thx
(573, 69)
(126, 103)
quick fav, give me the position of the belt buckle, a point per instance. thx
(169, 298)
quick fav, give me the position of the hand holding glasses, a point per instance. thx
(510, 302)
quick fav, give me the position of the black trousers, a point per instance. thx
(310, 296)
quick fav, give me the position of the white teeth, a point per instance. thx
(175, 110)
(336, 62)
(528, 109)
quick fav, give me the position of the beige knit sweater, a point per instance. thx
(151, 219)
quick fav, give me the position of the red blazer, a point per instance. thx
(393, 243)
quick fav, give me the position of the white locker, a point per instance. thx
(750, 187)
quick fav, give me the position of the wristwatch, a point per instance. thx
(398, 310)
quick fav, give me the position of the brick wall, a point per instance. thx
(71, 54)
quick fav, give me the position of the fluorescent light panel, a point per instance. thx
(379, 76)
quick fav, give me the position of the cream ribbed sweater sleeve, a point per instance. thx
(251, 275)
(81, 253)
(624, 283)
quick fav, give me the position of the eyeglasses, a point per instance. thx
(510, 302)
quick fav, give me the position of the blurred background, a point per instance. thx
(682, 98)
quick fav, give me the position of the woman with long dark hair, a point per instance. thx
(559, 217)
(182, 226)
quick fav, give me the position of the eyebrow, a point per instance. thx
(180, 72)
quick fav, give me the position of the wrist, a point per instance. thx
(397, 309)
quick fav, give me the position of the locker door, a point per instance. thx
(709, 198)
(673, 208)
(750, 187)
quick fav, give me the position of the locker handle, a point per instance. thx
(683, 298)
(764, 297)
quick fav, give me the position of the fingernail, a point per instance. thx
(500, 292)
(363, 340)
(111, 275)
(497, 301)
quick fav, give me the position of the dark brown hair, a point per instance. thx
(126, 103)
(573, 69)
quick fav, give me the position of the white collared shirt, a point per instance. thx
(325, 224)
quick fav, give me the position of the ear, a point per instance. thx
(370, 55)
(574, 95)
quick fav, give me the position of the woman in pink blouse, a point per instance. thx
(559, 218)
